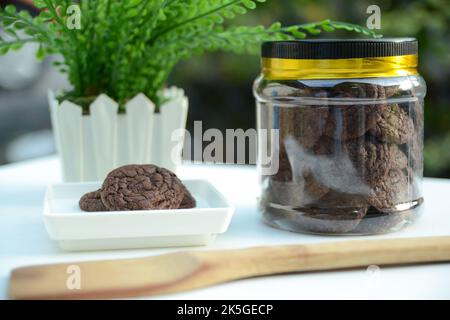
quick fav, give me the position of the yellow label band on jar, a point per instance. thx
(291, 69)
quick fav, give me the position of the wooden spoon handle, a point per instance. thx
(335, 255)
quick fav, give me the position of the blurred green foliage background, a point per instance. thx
(219, 85)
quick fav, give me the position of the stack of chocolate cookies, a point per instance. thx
(348, 166)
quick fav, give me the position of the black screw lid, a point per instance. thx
(339, 49)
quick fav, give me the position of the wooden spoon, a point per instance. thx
(183, 271)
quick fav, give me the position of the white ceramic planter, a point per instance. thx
(90, 146)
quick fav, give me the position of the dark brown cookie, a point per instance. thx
(335, 212)
(142, 187)
(374, 160)
(324, 220)
(390, 191)
(351, 121)
(303, 123)
(188, 201)
(92, 202)
(393, 125)
(312, 220)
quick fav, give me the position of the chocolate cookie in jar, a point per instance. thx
(347, 156)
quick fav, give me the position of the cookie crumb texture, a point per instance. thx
(349, 167)
(139, 187)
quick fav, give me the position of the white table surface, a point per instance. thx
(24, 241)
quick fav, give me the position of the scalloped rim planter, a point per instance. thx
(90, 146)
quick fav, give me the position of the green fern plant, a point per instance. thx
(131, 46)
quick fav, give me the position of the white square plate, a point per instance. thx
(75, 229)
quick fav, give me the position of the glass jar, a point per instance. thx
(341, 122)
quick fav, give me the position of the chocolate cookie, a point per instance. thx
(324, 220)
(374, 160)
(390, 191)
(333, 213)
(141, 187)
(393, 125)
(92, 202)
(304, 123)
(351, 121)
(312, 220)
(336, 212)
